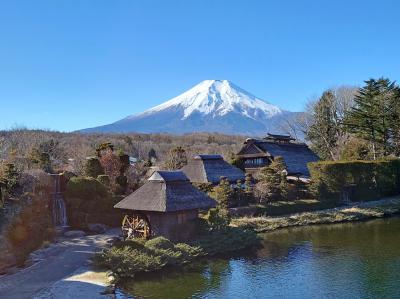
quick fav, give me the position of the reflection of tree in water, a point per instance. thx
(190, 282)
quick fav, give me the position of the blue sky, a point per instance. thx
(69, 64)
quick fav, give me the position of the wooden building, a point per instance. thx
(164, 202)
(257, 153)
(210, 168)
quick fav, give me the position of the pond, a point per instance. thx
(350, 260)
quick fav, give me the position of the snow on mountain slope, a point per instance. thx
(218, 97)
(210, 106)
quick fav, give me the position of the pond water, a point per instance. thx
(350, 260)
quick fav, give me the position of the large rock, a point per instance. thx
(75, 234)
(97, 228)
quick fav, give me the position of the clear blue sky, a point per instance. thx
(69, 64)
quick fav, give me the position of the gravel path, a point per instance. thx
(55, 266)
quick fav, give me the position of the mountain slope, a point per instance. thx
(210, 106)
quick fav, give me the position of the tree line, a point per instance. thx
(350, 123)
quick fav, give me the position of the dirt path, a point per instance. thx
(56, 265)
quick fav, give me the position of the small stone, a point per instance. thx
(75, 234)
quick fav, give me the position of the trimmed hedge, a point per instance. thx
(279, 208)
(88, 201)
(86, 188)
(362, 180)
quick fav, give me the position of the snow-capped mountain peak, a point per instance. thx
(218, 98)
(210, 106)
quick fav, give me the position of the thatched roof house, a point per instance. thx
(210, 169)
(259, 153)
(166, 200)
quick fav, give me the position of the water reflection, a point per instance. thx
(352, 260)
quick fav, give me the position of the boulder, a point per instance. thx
(97, 228)
(74, 234)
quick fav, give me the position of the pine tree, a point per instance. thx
(219, 217)
(272, 184)
(223, 193)
(374, 116)
(10, 178)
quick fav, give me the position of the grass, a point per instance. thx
(279, 208)
(362, 211)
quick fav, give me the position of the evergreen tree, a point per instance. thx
(219, 217)
(152, 154)
(223, 193)
(325, 129)
(93, 167)
(40, 159)
(10, 179)
(272, 182)
(374, 116)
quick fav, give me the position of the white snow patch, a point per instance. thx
(218, 97)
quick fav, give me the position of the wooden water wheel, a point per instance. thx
(135, 226)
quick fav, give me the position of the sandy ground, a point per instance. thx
(60, 271)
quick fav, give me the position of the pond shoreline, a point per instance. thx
(359, 211)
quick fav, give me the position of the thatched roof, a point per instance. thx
(276, 137)
(295, 155)
(210, 169)
(166, 191)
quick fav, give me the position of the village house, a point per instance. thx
(164, 202)
(257, 153)
(210, 168)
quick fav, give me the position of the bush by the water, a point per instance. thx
(130, 257)
(360, 180)
(278, 208)
(127, 258)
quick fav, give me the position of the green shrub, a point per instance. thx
(104, 179)
(88, 201)
(93, 167)
(218, 218)
(131, 243)
(125, 262)
(204, 187)
(366, 179)
(159, 243)
(85, 188)
(126, 258)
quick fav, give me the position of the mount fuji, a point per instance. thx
(210, 106)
